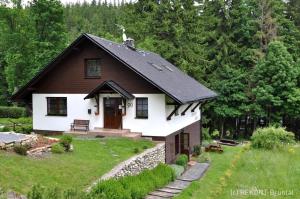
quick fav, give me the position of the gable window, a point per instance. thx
(142, 108)
(92, 68)
(57, 106)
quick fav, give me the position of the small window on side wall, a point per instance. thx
(92, 68)
(142, 108)
(57, 106)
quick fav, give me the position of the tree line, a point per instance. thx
(246, 50)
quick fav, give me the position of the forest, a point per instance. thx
(248, 51)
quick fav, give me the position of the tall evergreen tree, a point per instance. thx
(275, 78)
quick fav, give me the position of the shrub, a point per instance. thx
(39, 192)
(5, 129)
(215, 134)
(21, 149)
(182, 160)
(205, 134)
(111, 189)
(135, 187)
(136, 150)
(177, 169)
(26, 129)
(272, 138)
(12, 112)
(204, 157)
(197, 150)
(57, 148)
(66, 141)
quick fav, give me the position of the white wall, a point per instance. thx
(77, 108)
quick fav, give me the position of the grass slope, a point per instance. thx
(235, 169)
(78, 169)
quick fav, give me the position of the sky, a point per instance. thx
(25, 2)
(81, 1)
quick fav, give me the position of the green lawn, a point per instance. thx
(78, 169)
(262, 172)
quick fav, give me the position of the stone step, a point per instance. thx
(154, 197)
(170, 190)
(162, 194)
(178, 184)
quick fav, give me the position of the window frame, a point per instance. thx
(136, 108)
(86, 66)
(57, 106)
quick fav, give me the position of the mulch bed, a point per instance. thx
(42, 142)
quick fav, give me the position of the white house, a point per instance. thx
(117, 86)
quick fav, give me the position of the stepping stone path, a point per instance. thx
(194, 173)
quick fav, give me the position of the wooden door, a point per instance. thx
(185, 144)
(112, 113)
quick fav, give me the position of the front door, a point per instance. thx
(112, 113)
(185, 144)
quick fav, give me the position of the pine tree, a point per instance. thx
(275, 78)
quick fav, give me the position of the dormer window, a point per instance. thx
(92, 68)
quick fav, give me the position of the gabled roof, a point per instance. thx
(114, 86)
(152, 67)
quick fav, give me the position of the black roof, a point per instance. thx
(114, 86)
(158, 71)
(151, 66)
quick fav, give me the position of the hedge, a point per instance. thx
(12, 112)
(134, 187)
(129, 187)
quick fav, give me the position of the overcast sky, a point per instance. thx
(109, 1)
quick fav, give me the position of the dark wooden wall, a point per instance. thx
(68, 76)
(193, 130)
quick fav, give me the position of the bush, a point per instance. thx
(39, 192)
(66, 141)
(197, 150)
(136, 150)
(21, 149)
(272, 138)
(135, 187)
(26, 129)
(111, 189)
(57, 148)
(182, 160)
(216, 134)
(177, 169)
(204, 157)
(5, 129)
(12, 112)
(206, 135)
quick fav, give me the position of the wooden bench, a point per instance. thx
(80, 125)
(214, 148)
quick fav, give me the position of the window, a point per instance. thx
(92, 68)
(142, 108)
(57, 106)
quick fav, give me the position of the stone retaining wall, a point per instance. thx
(148, 159)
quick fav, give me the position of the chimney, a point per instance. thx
(129, 42)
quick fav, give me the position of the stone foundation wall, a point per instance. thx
(148, 159)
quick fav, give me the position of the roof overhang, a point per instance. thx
(112, 85)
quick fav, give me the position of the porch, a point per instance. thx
(105, 132)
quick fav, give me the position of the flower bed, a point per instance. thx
(36, 145)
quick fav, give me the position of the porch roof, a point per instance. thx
(114, 86)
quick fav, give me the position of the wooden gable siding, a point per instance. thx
(68, 76)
